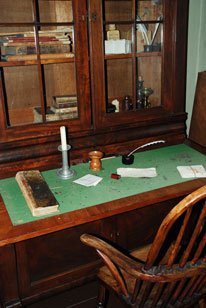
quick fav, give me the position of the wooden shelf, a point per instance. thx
(130, 55)
(118, 56)
(149, 54)
(35, 62)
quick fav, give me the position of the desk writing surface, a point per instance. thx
(72, 196)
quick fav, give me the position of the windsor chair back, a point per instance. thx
(171, 272)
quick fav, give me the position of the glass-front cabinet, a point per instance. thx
(133, 59)
(137, 58)
(111, 71)
(42, 55)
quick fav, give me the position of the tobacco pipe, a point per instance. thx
(128, 159)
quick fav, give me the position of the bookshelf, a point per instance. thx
(38, 61)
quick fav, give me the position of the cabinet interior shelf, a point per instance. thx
(132, 22)
(35, 62)
(130, 55)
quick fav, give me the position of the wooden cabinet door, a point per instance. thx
(56, 261)
(139, 227)
(136, 77)
(44, 67)
(8, 278)
(136, 228)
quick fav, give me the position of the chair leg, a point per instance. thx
(101, 299)
(202, 303)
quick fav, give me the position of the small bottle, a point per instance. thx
(128, 103)
(139, 103)
(113, 33)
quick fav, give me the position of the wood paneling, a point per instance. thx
(198, 122)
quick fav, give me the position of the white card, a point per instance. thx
(88, 180)
(195, 171)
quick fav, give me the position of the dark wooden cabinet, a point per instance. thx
(136, 228)
(34, 76)
(58, 261)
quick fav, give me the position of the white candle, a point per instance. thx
(63, 138)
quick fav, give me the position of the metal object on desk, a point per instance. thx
(65, 172)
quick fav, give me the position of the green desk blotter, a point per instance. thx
(72, 196)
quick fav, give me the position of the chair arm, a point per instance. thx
(136, 269)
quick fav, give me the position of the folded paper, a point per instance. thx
(88, 180)
(195, 171)
(137, 172)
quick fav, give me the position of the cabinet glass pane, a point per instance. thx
(56, 42)
(149, 43)
(149, 30)
(149, 82)
(16, 11)
(119, 84)
(17, 43)
(149, 10)
(118, 41)
(118, 10)
(149, 37)
(42, 87)
(133, 38)
(55, 11)
(22, 95)
(118, 35)
(61, 95)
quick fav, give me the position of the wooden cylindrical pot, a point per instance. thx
(95, 163)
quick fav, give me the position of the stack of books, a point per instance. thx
(63, 107)
(22, 46)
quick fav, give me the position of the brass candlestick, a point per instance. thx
(146, 92)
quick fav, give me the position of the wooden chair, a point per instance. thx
(171, 272)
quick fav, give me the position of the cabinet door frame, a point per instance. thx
(83, 123)
(173, 68)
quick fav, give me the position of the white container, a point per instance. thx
(117, 46)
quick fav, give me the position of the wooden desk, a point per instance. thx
(44, 256)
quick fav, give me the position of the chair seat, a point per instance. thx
(141, 253)
(105, 275)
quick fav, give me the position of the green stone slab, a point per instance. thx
(72, 196)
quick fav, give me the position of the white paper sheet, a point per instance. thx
(137, 172)
(195, 171)
(88, 180)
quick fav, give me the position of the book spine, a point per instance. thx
(57, 42)
(13, 50)
(64, 105)
(51, 116)
(30, 50)
(64, 110)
